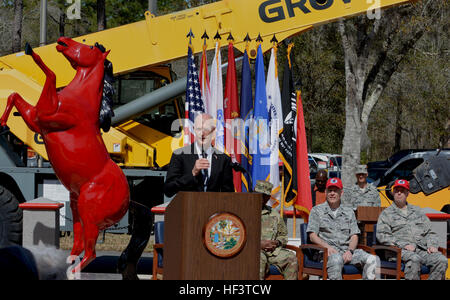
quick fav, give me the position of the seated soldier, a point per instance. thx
(407, 227)
(334, 227)
(274, 239)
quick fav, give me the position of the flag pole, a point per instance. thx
(294, 222)
(294, 217)
(187, 133)
(282, 195)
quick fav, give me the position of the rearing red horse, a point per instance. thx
(68, 121)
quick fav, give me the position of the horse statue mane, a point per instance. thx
(106, 113)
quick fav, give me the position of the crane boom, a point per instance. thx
(161, 39)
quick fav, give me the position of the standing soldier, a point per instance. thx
(274, 239)
(318, 189)
(334, 227)
(361, 193)
(406, 226)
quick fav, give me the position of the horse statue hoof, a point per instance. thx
(28, 49)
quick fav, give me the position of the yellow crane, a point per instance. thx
(148, 44)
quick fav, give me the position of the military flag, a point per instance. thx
(303, 202)
(204, 82)
(246, 108)
(216, 109)
(231, 108)
(259, 134)
(276, 125)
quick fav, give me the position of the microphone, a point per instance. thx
(204, 155)
(204, 172)
(239, 168)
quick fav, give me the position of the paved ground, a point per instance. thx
(104, 267)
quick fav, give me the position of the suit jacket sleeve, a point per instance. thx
(178, 177)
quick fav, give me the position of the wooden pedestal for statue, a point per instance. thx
(190, 228)
(367, 216)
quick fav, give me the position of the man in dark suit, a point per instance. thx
(199, 166)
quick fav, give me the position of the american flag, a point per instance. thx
(194, 103)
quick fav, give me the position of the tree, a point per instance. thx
(419, 92)
(153, 6)
(373, 51)
(101, 15)
(318, 72)
(17, 26)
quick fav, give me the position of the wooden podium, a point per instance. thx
(367, 216)
(190, 215)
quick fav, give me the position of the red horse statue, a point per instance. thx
(69, 123)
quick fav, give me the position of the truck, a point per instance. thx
(376, 169)
(148, 100)
(428, 173)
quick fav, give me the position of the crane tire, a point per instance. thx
(10, 219)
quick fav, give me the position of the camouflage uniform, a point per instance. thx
(337, 231)
(274, 228)
(394, 228)
(355, 196)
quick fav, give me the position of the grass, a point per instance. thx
(112, 242)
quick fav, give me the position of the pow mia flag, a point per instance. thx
(288, 150)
